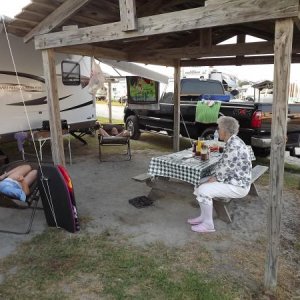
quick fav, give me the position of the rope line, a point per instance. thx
(49, 198)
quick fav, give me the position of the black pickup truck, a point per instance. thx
(254, 118)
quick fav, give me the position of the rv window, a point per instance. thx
(70, 72)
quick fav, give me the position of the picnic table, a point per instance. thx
(179, 172)
(184, 166)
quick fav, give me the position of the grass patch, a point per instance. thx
(291, 180)
(291, 174)
(58, 265)
(104, 120)
(287, 167)
(113, 103)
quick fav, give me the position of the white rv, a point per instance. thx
(77, 106)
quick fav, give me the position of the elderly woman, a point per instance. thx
(232, 178)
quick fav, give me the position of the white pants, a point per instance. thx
(207, 191)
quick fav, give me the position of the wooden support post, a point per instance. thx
(57, 148)
(282, 61)
(128, 15)
(109, 103)
(176, 125)
(241, 39)
(205, 38)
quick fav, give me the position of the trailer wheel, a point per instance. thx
(132, 125)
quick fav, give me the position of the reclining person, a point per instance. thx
(114, 132)
(16, 182)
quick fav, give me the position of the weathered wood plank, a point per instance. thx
(216, 50)
(241, 39)
(225, 13)
(57, 148)
(176, 125)
(142, 177)
(57, 17)
(109, 103)
(128, 15)
(260, 60)
(88, 50)
(205, 38)
(282, 62)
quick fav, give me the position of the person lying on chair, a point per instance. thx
(232, 177)
(16, 182)
(114, 132)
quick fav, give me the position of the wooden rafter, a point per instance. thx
(223, 13)
(57, 17)
(149, 7)
(256, 48)
(231, 61)
(128, 15)
(89, 50)
(259, 33)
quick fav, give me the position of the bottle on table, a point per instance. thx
(205, 152)
(199, 146)
(216, 135)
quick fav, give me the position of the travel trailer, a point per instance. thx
(77, 105)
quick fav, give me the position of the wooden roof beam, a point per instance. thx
(221, 14)
(255, 48)
(261, 34)
(128, 15)
(149, 7)
(233, 61)
(205, 38)
(241, 39)
(26, 21)
(88, 50)
(32, 13)
(57, 17)
(297, 21)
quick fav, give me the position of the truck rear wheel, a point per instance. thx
(132, 125)
(208, 134)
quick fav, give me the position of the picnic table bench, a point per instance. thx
(173, 173)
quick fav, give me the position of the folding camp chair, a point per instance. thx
(8, 202)
(114, 140)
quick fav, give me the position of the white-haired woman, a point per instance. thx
(232, 178)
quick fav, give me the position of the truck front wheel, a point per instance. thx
(132, 125)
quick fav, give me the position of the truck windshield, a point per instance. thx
(197, 87)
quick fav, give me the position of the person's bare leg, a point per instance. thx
(103, 132)
(124, 133)
(19, 171)
(30, 177)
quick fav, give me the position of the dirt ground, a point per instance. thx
(102, 192)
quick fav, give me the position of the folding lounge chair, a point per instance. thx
(114, 140)
(8, 202)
